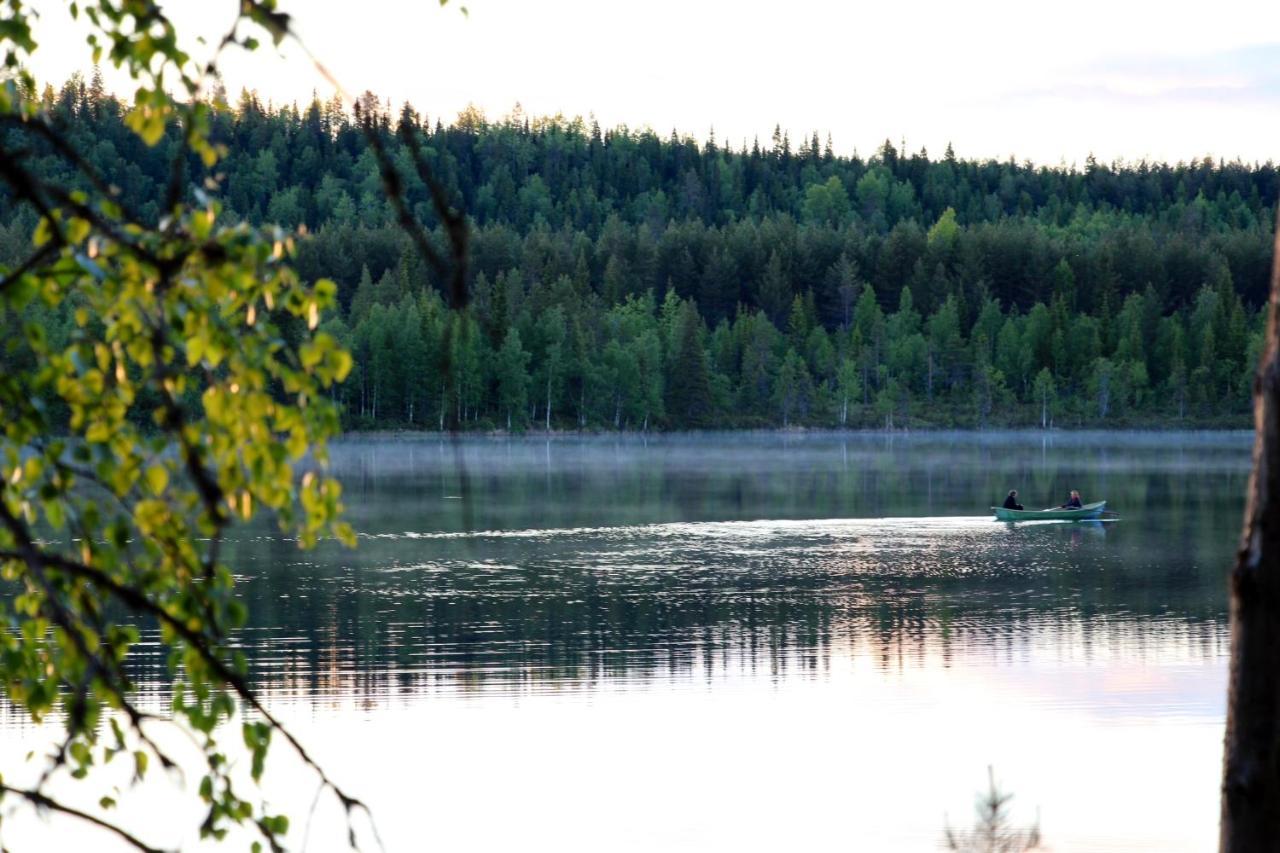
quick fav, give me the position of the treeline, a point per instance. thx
(552, 356)
(624, 280)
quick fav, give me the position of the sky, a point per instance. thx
(1040, 81)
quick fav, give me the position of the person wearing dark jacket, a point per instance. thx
(1011, 502)
(1073, 502)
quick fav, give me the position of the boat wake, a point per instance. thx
(749, 530)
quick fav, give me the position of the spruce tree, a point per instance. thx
(688, 391)
(512, 375)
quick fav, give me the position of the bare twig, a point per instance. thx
(46, 802)
(455, 222)
(41, 256)
(59, 143)
(137, 601)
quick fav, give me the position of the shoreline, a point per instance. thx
(1022, 432)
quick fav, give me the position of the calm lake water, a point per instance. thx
(748, 642)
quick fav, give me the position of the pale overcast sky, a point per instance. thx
(1050, 82)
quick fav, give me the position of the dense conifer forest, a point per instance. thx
(625, 280)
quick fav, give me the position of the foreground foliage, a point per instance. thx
(181, 395)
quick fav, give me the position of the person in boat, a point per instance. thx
(1073, 502)
(1011, 502)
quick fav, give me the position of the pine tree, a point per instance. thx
(688, 387)
(614, 286)
(364, 296)
(512, 375)
(550, 365)
(412, 359)
(774, 290)
(794, 392)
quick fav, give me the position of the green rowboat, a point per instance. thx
(1084, 513)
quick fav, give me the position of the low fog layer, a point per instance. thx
(748, 452)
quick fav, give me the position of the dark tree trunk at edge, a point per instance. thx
(1251, 763)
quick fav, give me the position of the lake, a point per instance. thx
(748, 642)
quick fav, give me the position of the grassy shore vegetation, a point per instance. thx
(620, 279)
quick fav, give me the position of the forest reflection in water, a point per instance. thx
(648, 627)
(610, 559)
(570, 608)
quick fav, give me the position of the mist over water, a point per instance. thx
(750, 641)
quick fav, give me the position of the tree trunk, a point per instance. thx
(1251, 763)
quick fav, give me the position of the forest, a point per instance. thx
(620, 279)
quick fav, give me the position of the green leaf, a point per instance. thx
(157, 479)
(17, 30)
(43, 233)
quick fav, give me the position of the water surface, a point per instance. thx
(756, 641)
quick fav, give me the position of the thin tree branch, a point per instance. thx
(454, 221)
(199, 642)
(38, 258)
(393, 188)
(44, 801)
(46, 132)
(113, 677)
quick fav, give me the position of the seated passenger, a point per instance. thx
(1073, 502)
(1011, 502)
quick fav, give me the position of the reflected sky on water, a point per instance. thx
(754, 641)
